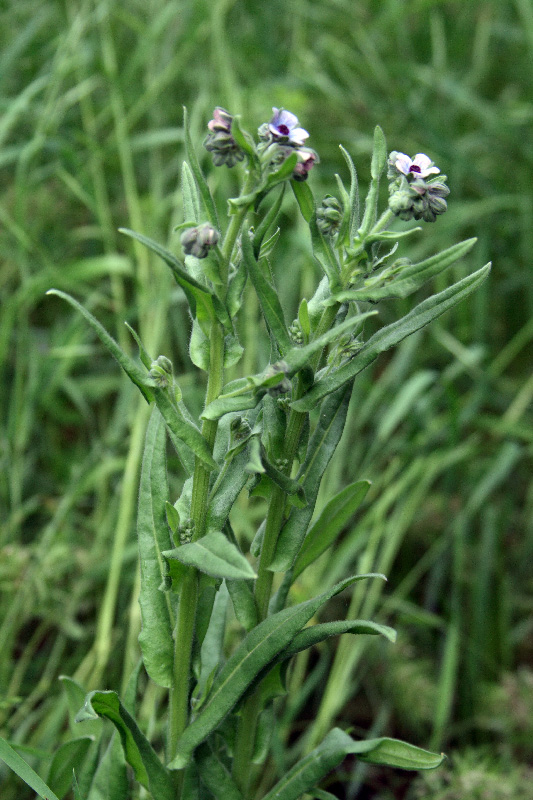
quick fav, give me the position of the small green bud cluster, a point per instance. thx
(329, 215)
(412, 194)
(198, 241)
(240, 429)
(295, 332)
(186, 531)
(161, 371)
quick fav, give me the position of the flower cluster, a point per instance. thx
(220, 142)
(281, 137)
(413, 193)
(278, 139)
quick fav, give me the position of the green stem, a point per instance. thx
(184, 633)
(246, 731)
(185, 625)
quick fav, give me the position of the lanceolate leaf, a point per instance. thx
(189, 191)
(410, 278)
(268, 297)
(354, 193)
(227, 491)
(199, 297)
(268, 220)
(21, 768)
(335, 515)
(153, 534)
(215, 775)
(311, 769)
(68, 757)
(182, 428)
(139, 753)
(257, 650)
(305, 199)
(137, 375)
(392, 334)
(214, 555)
(208, 202)
(319, 633)
(321, 447)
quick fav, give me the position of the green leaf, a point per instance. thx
(298, 357)
(321, 447)
(137, 375)
(407, 279)
(189, 192)
(268, 220)
(395, 753)
(304, 198)
(379, 153)
(285, 171)
(319, 633)
(143, 353)
(199, 297)
(68, 757)
(227, 404)
(231, 484)
(257, 649)
(181, 428)
(311, 769)
(138, 751)
(303, 319)
(379, 159)
(334, 516)
(155, 638)
(244, 140)
(110, 781)
(244, 603)
(207, 199)
(214, 555)
(21, 768)
(353, 197)
(268, 297)
(215, 775)
(291, 487)
(392, 334)
(325, 255)
(212, 648)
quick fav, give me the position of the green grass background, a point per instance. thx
(91, 97)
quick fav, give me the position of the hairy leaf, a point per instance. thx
(214, 555)
(257, 649)
(139, 753)
(392, 334)
(324, 531)
(155, 638)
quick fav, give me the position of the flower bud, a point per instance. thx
(198, 241)
(329, 215)
(219, 141)
(161, 371)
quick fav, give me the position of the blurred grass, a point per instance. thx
(90, 140)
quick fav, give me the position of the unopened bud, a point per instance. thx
(198, 241)
(329, 215)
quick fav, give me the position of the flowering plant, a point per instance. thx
(271, 434)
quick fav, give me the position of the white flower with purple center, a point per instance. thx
(284, 125)
(420, 166)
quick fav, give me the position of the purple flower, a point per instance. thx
(221, 121)
(306, 159)
(284, 125)
(418, 167)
